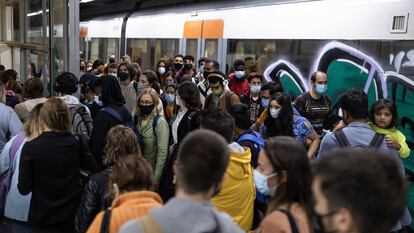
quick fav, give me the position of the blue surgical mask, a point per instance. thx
(170, 98)
(265, 102)
(255, 88)
(261, 182)
(239, 74)
(274, 112)
(201, 69)
(321, 88)
(98, 101)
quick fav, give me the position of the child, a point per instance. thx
(384, 121)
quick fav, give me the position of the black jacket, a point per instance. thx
(94, 199)
(102, 123)
(49, 168)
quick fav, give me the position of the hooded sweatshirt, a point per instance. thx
(184, 215)
(238, 192)
(126, 207)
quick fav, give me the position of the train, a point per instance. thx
(359, 43)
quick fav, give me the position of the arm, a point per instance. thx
(88, 208)
(97, 139)
(15, 125)
(235, 99)
(328, 143)
(273, 223)
(260, 121)
(162, 131)
(25, 169)
(5, 158)
(314, 145)
(404, 151)
(87, 162)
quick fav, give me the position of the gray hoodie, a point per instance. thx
(183, 215)
(10, 124)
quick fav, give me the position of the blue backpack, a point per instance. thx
(258, 142)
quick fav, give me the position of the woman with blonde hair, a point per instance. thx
(131, 184)
(120, 142)
(16, 206)
(49, 169)
(154, 129)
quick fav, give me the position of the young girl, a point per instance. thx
(384, 121)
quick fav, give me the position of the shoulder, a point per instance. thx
(132, 226)
(275, 222)
(227, 224)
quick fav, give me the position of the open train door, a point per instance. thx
(346, 68)
(288, 76)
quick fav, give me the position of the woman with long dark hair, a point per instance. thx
(282, 121)
(284, 172)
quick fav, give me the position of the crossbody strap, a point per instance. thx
(292, 221)
(342, 140)
(106, 220)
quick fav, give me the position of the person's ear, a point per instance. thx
(344, 221)
(116, 191)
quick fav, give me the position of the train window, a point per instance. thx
(192, 47)
(257, 53)
(34, 21)
(165, 49)
(103, 48)
(138, 49)
(211, 49)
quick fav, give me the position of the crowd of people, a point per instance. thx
(186, 148)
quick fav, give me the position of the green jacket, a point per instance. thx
(155, 146)
(395, 134)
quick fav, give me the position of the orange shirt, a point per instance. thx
(127, 207)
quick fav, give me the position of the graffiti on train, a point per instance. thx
(348, 67)
(402, 59)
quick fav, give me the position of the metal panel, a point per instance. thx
(73, 37)
(182, 46)
(222, 54)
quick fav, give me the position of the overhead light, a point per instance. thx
(85, 1)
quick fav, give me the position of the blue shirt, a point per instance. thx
(302, 129)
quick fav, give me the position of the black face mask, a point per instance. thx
(178, 66)
(123, 76)
(188, 66)
(146, 109)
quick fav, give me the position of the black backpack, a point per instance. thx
(343, 141)
(125, 122)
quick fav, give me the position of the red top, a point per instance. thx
(239, 86)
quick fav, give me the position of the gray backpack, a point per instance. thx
(82, 122)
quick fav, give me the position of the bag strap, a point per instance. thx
(342, 140)
(292, 221)
(149, 225)
(203, 92)
(376, 140)
(154, 123)
(106, 220)
(113, 113)
(17, 142)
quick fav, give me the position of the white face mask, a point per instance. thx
(113, 74)
(274, 112)
(262, 183)
(255, 88)
(98, 101)
(161, 70)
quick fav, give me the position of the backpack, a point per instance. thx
(82, 122)
(343, 140)
(125, 122)
(258, 142)
(5, 178)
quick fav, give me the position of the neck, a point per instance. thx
(125, 82)
(199, 197)
(315, 95)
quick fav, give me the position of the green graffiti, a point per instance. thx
(344, 75)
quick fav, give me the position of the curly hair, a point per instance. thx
(120, 141)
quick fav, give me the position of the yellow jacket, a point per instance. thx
(238, 192)
(395, 134)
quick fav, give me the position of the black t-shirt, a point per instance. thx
(315, 110)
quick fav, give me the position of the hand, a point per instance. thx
(392, 143)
